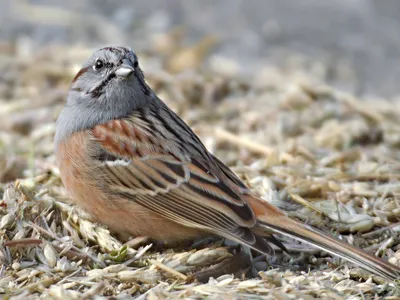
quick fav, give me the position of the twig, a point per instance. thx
(305, 203)
(23, 242)
(52, 235)
(359, 107)
(93, 291)
(38, 285)
(380, 230)
(370, 177)
(69, 276)
(226, 136)
(138, 255)
(168, 269)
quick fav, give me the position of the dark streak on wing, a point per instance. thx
(177, 169)
(197, 180)
(143, 114)
(244, 211)
(102, 155)
(228, 173)
(167, 177)
(119, 180)
(194, 139)
(170, 129)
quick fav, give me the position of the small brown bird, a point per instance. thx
(135, 166)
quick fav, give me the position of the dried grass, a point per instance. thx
(327, 158)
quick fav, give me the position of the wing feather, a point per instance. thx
(142, 159)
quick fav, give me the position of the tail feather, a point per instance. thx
(277, 243)
(271, 219)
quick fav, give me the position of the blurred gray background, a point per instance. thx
(355, 43)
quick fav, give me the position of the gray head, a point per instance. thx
(110, 85)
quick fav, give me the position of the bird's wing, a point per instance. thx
(153, 158)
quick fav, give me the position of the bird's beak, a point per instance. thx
(125, 69)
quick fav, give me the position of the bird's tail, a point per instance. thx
(272, 219)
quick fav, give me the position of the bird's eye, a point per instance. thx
(98, 65)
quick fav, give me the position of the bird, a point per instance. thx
(132, 163)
